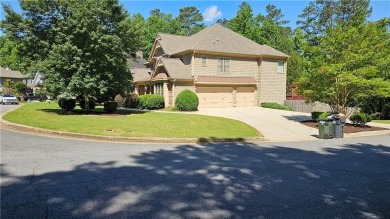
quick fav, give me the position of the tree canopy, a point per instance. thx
(348, 56)
(82, 46)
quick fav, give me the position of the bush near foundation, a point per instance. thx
(272, 105)
(187, 101)
(151, 101)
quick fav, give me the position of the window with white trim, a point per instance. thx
(204, 60)
(280, 66)
(159, 88)
(223, 65)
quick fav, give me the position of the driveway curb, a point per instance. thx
(35, 130)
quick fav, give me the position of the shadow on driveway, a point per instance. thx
(225, 180)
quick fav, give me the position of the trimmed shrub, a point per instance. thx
(151, 101)
(141, 101)
(315, 115)
(323, 115)
(67, 105)
(187, 101)
(272, 105)
(127, 101)
(110, 106)
(131, 100)
(360, 118)
(120, 100)
(91, 104)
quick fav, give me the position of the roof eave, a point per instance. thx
(226, 83)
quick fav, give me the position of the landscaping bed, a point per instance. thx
(129, 123)
(348, 128)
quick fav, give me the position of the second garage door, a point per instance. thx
(215, 96)
(245, 96)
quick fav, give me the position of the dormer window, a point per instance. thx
(204, 61)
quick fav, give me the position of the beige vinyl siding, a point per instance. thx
(272, 84)
(166, 94)
(238, 66)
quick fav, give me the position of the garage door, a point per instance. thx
(215, 96)
(245, 96)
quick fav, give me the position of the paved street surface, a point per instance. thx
(45, 177)
(275, 125)
(5, 108)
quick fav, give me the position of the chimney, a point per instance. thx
(139, 54)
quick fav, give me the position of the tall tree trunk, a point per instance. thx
(87, 106)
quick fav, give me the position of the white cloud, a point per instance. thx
(211, 13)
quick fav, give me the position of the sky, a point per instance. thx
(213, 10)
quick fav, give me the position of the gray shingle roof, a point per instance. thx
(176, 68)
(216, 38)
(4, 73)
(170, 42)
(139, 71)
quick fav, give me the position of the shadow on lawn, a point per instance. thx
(225, 180)
(98, 111)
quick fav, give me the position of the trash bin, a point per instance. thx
(326, 128)
(339, 127)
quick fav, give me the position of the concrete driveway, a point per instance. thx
(275, 125)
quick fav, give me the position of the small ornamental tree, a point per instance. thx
(21, 88)
(187, 101)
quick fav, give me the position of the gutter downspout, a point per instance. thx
(193, 64)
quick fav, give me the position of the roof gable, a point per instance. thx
(175, 68)
(216, 38)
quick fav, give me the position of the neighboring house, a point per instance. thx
(6, 73)
(34, 80)
(224, 69)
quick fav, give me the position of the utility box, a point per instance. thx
(326, 128)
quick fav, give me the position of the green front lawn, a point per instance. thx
(127, 123)
(382, 121)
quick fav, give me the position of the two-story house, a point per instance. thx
(224, 68)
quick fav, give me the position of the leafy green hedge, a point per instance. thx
(276, 106)
(110, 106)
(66, 104)
(187, 101)
(151, 101)
(315, 115)
(360, 118)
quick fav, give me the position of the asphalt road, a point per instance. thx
(4, 108)
(45, 177)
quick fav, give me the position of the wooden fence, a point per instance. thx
(301, 106)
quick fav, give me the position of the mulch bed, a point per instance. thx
(348, 128)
